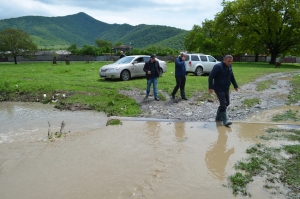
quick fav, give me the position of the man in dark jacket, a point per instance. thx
(151, 69)
(219, 81)
(180, 75)
(122, 54)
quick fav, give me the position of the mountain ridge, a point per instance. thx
(82, 29)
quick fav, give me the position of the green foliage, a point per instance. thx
(81, 29)
(16, 42)
(203, 39)
(272, 26)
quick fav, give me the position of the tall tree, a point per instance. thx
(15, 42)
(274, 24)
(204, 39)
(105, 46)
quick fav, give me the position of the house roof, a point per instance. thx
(122, 47)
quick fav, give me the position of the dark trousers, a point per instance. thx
(224, 100)
(180, 83)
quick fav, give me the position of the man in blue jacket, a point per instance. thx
(219, 81)
(180, 75)
(151, 68)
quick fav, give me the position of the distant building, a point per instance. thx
(124, 48)
(50, 52)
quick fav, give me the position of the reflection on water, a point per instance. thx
(218, 155)
(179, 129)
(138, 159)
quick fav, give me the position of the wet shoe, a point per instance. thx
(157, 99)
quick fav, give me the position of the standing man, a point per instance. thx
(219, 81)
(122, 54)
(180, 75)
(151, 69)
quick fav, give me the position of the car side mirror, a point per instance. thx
(134, 62)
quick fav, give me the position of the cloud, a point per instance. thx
(174, 13)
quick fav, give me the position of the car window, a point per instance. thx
(211, 59)
(187, 57)
(194, 58)
(203, 58)
(125, 60)
(146, 59)
(139, 60)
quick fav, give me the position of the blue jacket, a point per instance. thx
(180, 70)
(221, 77)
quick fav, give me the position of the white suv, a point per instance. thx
(199, 63)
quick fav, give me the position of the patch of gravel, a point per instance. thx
(195, 110)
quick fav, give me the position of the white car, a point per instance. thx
(129, 67)
(199, 63)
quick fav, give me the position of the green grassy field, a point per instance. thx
(80, 82)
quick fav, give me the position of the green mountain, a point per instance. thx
(81, 29)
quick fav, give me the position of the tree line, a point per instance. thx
(268, 27)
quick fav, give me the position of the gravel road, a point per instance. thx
(196, 110)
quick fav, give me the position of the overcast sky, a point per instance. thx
(175, 13)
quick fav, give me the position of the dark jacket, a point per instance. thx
(180, 70)
(147, 68)
(221, 77)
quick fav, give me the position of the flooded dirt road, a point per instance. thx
(138, 159)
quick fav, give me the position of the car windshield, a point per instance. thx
(124, 60)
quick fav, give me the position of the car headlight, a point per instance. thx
(113, 69)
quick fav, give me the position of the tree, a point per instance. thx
(105, 46)
(73, 49)
(203, 39)
(273, 24)
(16, 42)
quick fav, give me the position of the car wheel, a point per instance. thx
(199, 71)
(160, 72)
(125, 75)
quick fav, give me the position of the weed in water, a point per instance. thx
(268, 161)
(238, 183)
(288, 115)
(114, 122)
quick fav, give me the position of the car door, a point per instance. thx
(204, 62)
(211, 63)
(139, 65)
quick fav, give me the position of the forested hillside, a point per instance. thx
(81, 29)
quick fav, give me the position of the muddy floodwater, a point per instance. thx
(138, 159)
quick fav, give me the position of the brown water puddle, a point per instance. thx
(137, 159)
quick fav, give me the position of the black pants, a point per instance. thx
(180, 83)
(224, 100)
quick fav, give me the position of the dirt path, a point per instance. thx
(196, 110)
